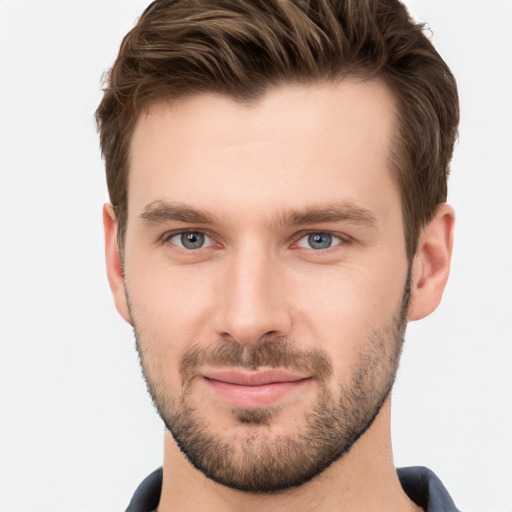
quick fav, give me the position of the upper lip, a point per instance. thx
(254, 378)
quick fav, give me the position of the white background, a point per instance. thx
(77, 431)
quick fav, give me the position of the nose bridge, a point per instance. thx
(252, 299)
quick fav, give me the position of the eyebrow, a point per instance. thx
(344, 211)
(160, 211)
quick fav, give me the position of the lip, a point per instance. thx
(254, 389)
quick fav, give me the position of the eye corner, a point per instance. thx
(321, 240)
(188, 240)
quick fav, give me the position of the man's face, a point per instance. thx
(266, 275)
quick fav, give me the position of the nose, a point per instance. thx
(253, 300)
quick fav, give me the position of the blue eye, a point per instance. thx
(319, 241)
(191, 240)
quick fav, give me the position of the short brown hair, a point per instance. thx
(241, 48)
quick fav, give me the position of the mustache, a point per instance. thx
(279, 353)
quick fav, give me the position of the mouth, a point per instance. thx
(251, 390)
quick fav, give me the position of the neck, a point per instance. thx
(364, 479)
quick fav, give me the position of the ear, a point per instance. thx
(431, 264)
(114, 262)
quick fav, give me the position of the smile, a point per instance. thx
(254, 389)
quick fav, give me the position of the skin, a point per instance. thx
(298, 149)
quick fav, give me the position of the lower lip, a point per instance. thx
(255, 396)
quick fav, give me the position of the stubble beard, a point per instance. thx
(253, 460)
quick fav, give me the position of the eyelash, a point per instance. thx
(343, 240)
(165, 239)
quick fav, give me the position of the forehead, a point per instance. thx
(296, 145)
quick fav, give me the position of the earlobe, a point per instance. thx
(431, 264)
(114, 262)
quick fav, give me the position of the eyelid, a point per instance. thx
(344, 239)
(168, 235)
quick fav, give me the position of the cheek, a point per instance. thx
(167, 323)
(171, 305)
(343, 309)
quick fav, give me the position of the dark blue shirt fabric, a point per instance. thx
(420, 484)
